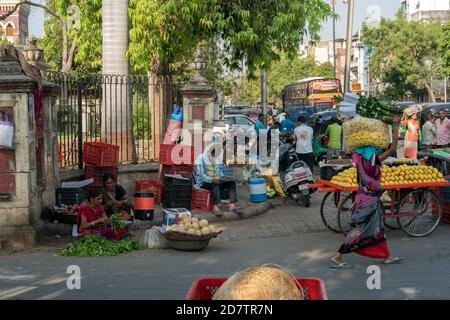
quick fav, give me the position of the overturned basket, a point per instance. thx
(187, 242)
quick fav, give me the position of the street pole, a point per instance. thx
(334, 38)
(445, 88)
(351, 9)
(264, 91)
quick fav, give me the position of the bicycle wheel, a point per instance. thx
(329, 209)
(423, 212)
(344, 217)
(391, 223)
(345, 214)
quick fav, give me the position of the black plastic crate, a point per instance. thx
(173, 197)
(70, 196)
(169, 181)
(177, 204)
(327, 173)
(64, 217)
(181, 190)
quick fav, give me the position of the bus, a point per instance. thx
(311, 95)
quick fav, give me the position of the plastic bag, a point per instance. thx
(6, 131)
(363, 132)
(154, 239)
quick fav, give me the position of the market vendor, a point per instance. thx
(412, 136)
(92, 218)
(208, 174)
(367, 237)
(115, 198)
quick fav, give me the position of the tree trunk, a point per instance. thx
(431, 94)
(117, 113)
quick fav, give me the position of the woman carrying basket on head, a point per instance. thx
(367, 236)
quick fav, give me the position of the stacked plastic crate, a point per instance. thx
(100, 158)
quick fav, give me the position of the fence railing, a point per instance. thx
(128, 111)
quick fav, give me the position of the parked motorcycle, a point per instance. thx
(295, 175)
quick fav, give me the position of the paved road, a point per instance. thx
(168, 274)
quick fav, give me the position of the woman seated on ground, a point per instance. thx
(209, 176)
(115, 198)
(92, 219)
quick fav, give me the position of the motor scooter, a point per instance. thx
(295, 175)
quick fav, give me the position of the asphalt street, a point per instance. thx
(168, 274)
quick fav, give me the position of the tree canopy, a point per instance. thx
(445, 48)
(282, 73)
(254, 31)
(85, 34)
(405, 55)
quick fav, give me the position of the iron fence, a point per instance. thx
(128, 111)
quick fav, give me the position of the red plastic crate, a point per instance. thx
(101, 154)
(97, 173)
(184, 170)
(152, 186)
(205, 288)
(445, 207)
(165, 154)
(201, 200)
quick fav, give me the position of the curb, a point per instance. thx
(53, 229)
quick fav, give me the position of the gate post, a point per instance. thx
(80, 122)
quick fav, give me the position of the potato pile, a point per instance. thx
(403, 174)
(194, 226)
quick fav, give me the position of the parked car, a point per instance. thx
(436, 107)
(234, 109)
(235, 125)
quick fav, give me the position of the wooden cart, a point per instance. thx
(414, 208)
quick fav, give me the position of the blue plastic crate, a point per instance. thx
(228, 171)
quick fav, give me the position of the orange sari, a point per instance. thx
(411, 139)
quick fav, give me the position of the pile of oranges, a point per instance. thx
(403, 174)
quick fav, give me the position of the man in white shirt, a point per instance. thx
(304, 136)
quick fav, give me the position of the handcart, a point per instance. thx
(414, 208)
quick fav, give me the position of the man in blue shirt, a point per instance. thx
(259, 124)
(287, 125)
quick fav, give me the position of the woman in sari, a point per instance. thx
(115, 198)
(411, 137)
(367, 237)
(92, 218)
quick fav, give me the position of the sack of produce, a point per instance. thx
(260, 283)
(374, 108)
(363, 132)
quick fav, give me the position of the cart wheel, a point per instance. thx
(304, 201)
(345, 214)
(329, 209)
(344, 217)
(424, 212)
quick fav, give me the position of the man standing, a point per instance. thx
(259, 124)
(442, 130)
(334, 132)
(304, 137)
(429, 133)
(287, 125)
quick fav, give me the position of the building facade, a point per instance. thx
(15, 27)
(427, 10)
(323, 52)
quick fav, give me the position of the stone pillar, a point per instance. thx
(49, 155)
(18, 175)
(198, 104)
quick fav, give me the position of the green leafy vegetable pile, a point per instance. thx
(374, 108)
(95, 246)
(117, 222)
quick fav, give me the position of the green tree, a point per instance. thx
(405, 54)
(445, 48)
(282, 73)
(165, 32)
(84, 19)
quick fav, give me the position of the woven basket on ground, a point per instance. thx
(181, 236)
(260, 283)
